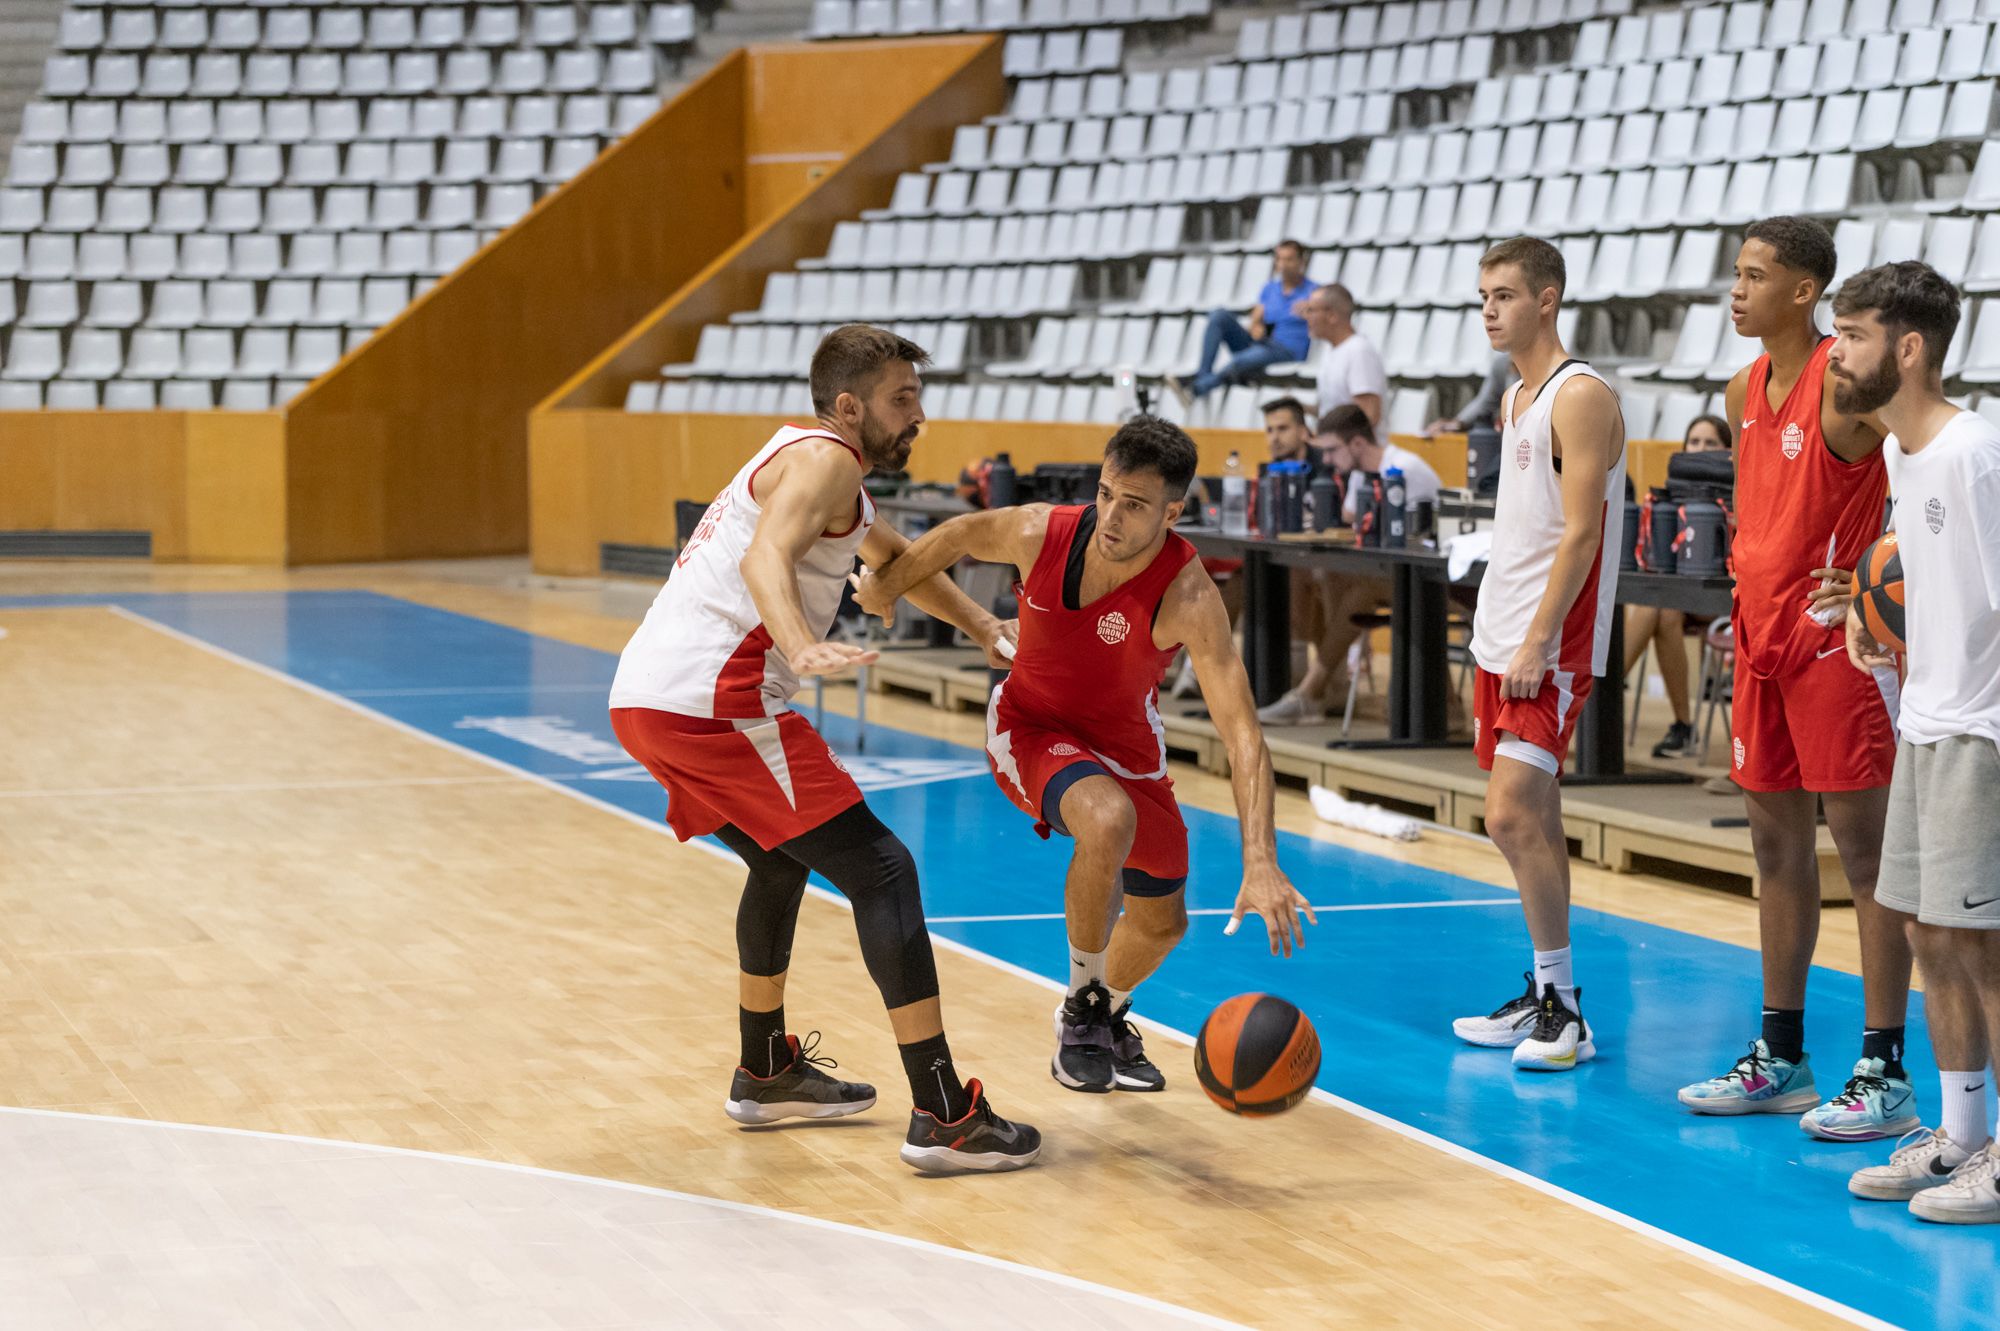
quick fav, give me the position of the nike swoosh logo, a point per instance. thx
(1970, 904)
(1032, 606)
(1752, 421)
(1829, 652)
(1971, 1089)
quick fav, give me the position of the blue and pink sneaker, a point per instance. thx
(1873, 1106)
(1758, 1084)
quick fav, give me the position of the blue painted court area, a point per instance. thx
(1381, 984)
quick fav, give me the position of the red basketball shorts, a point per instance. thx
(1546, 720)
(1026, 759)
(1823, 727)
(773, 777)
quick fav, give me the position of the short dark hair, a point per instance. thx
(849, 358)
(1801, 244)
(1541, 263)
(1289, 244)
(1908, 297)
(1291, 404)
(1347, 421)
(1147, 443)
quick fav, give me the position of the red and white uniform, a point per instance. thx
(1802, 717)
(701, 697)
(1527, 531)
(1085, 689)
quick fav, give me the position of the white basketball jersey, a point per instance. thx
(1528, 529)
(703, 649)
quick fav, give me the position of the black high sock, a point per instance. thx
(1785, 1033)
(1885, 1043)
(934, 1083)
(765, 1049)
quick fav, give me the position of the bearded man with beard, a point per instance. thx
(1808, 731)
(702, 700)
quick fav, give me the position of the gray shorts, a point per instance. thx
(1941, 846)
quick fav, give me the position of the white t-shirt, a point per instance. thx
(1420, 481)
(1349, 370)
(1948, 532)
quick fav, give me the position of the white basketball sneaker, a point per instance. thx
(1970, 1197)
(1505, 1026)
(1560, 1039)
(1922, 1159)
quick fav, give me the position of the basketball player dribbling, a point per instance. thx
(1542, 631)
(702, 699)
(1110, 594)
(1807, 729)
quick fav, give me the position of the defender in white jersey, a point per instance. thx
(1941, 841)
(702, 699)
(1542, 630)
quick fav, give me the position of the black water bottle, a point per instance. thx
(1001, 483)
(1482, 459)
(1628, 549)
(1325, 503)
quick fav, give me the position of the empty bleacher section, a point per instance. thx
(209, 205)
(1094, 224)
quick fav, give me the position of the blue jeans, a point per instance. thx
(1248, 358)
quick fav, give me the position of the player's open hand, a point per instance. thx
(1831, 595)
(1525, 672)
(1863, 652)
(1268, 893)
(998, 640)
(868, 594)
(830, 658)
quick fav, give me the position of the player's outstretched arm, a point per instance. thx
(805, 490)
(996, 536)
(1192, 613)
(1590, 433)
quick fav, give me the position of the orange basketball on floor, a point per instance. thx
(1256, 1055)
(1878, 592)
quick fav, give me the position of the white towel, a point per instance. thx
(1466, 549)
(1363, 817)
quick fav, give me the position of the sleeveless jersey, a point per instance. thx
(703, 649)
(1801, 508)
(1092, 671)
(1528, 528)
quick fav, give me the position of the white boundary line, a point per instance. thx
(1225, 910)
(716, 1203)
(253, 787)
(1713, 1258)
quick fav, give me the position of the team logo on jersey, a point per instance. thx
(710, 520)
(836, 759)
(1934, 514)
(1113, 628)
(1522, 452)
(1793, 440)
(1064, 750)
(1736, 748)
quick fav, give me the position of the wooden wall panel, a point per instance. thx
(416, 444)
(235, 487)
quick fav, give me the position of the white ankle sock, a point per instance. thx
(1964, 1100)
(1084, 967)
(1554, 968)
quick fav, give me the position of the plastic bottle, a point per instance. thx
(1325, 503)
(1001, 483)
(1395, 528)
(1235, 498)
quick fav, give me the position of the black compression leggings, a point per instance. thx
(873, 870)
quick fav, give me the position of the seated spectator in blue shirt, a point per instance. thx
(1276, 332)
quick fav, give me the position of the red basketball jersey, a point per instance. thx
(1799, 508)
(1092, 671)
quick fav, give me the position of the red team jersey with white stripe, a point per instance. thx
(1085, 688)
(1802, 717)
(703, 649)
(1802, 508)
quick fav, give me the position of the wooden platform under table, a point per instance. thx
(1659, 828)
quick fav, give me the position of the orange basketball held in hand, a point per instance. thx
(1256, 1055)
(1878, 593)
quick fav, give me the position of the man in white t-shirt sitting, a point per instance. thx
(1350, 369)
(1346, 441)
(1941, 835)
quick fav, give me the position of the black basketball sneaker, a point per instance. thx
(1083, 1041)
(980, 1142)
(800, 1090)
(1131, 1070)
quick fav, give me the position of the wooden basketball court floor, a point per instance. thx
(347, 979)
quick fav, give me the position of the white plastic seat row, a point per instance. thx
(1057, 142)
(759, 351)
(386, 28)
(328, 302)
(367, 162)
(255, 256)
(1748, 25)
(1185, 88)
(332, 120)
(1068, 52)
(1363, 27)
(1109, 233)
(280, 75)
(1213, 176)
(877, 18)
(182, 209)
(99, 354)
